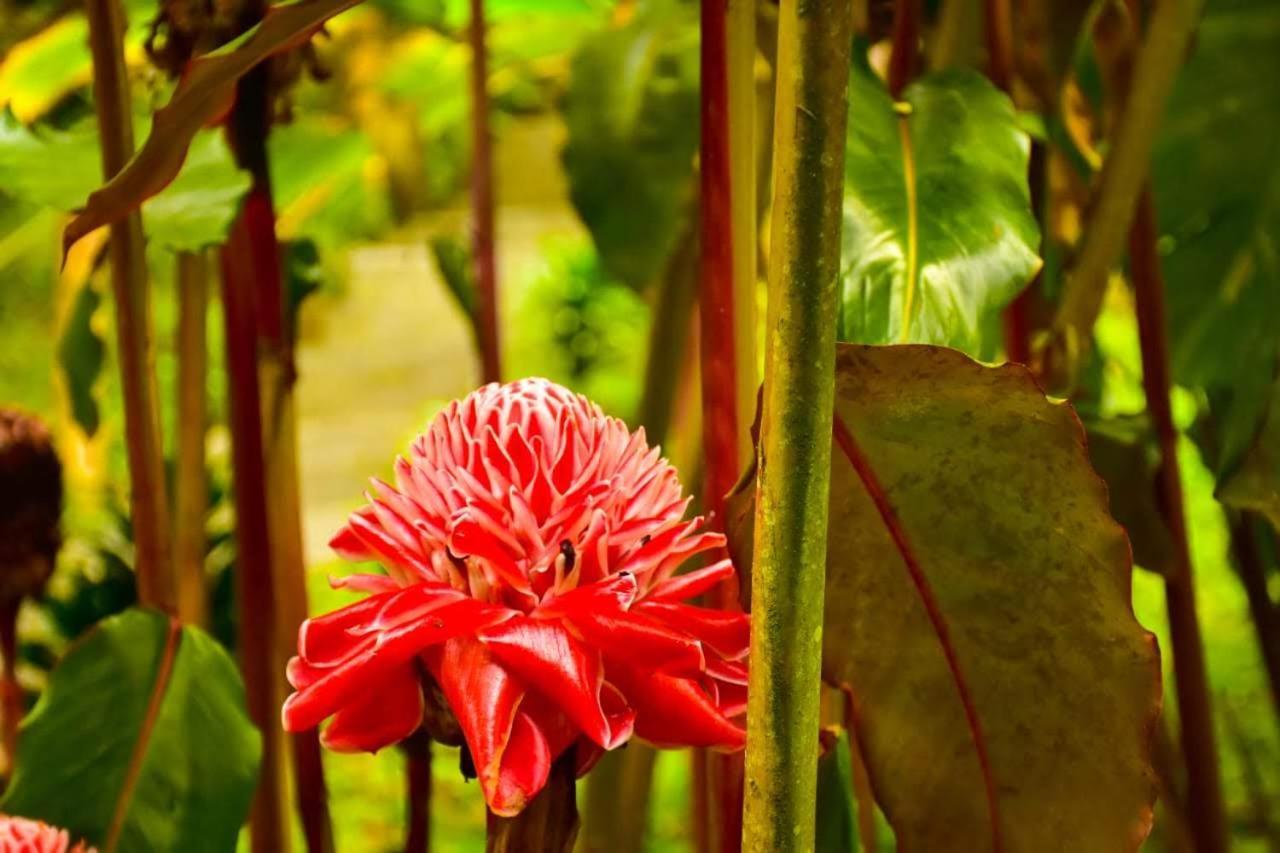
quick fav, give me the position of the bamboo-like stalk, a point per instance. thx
(484, 253)
(148, 502)
(727, 314)
(814, 43)
(191, 489)
(1204, 787)
(1124, 172)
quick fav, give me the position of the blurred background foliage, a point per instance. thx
(596, 123)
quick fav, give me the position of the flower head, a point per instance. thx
(531, 545)
(19, 835)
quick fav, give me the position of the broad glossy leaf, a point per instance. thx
(80, 356)
(39, 72)
(939, 234)
(205, 91)
(58, 168)
(992, 495)
(632, 114)
(141, 737)
(1216, 179)
(1122, 451)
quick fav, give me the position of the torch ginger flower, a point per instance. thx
(19, 835)
(531, 545)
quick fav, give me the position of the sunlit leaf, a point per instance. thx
(40, 71)
(632, 114)
(80, 357)
(205, 91)
(938, 233)
(58, 168)
(118, 747)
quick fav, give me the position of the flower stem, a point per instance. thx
(149, 508)
(549, 823)
(727, 313)
(482, 203)
(795, 444)
(191, 488)
(905, 55)
(418, 793)
(1204, 786)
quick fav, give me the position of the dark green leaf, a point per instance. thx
(140, 740)
(632, 114)
(837, 830)
(453, 260)
(1122, 451)
(1216, 177)
(80, 356)
(938, 233)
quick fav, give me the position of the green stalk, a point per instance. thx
(814, 43)
(149, 508)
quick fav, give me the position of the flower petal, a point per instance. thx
(727, 632)
(380, 718)
(371, 661)
(548, 658)
(673, 712)
(682, 587)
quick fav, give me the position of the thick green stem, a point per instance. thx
(1124, 172)
(191, 490)
(1204, 785)
(149, 508)
(795, 443)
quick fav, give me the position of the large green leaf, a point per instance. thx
(1216, 178)
(632, 114)
(59, 168)
(836, 830)
(939, 234)
(140, 742)
(978, 606)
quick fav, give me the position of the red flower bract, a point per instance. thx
(19, 835)
(531, 545)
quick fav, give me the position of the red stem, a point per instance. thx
(10, 689)
(1019, 323)
(1265, 612)
(718, 349)
(418, 793)
(998, 28)
(1204, 787)
(844, 438)
(254, 591)
(904, 58)
(482, 204)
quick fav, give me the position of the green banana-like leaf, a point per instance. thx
(938, 234)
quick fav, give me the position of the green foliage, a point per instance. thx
(938, 234)
(837, 823)
(632, 115)
(453, 260)
(59, 168)
(1216, 177)
(150, 697)
(80, 356)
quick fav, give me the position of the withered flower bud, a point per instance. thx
(30, 505)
